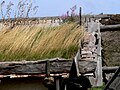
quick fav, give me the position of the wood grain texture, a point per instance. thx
(39, 67)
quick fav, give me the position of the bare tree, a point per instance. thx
(1, 9)
(8, 10)
(35, 9)
(29, 8)
(22, 13)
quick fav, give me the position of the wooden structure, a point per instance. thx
(87, 60)
(109, 69)
(93, 27)
(39, 67)
(55, 68)
(109, 27)
(114, 82)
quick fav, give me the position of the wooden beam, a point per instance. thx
(109, 27)
(113, 83)
(57, 84)
(99, 60)
(47, 68)
(80, 16)
(109, 69)
(39, 67)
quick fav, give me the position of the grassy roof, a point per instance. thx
(35, 43)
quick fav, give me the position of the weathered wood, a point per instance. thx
(94, 27)
(76, 58)
(114, 82)
(47, 68)
(109, 69)
(99, 61)
(109, 27)
(57, 84)
(80, 16)
(39, 67)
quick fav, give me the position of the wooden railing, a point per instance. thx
(57, 65)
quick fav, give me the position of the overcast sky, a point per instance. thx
(60, 7)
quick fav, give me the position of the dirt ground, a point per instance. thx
(111, 47)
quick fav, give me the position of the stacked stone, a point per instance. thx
(89, 47)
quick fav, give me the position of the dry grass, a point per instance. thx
(33, 43)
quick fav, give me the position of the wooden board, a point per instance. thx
(39, 67)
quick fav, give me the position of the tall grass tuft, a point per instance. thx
(35, 43)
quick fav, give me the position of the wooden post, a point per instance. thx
(99, 60)
(47, 68)
(57, 84)
(76, 59)
(80, 16)
(65, 87)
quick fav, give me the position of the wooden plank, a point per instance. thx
(109, 69)
(99, 60)
(114, 82)
(47, 68)
(57, 84)
(76, 60)
(39, 67)
(109, 27)
(94, 27)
